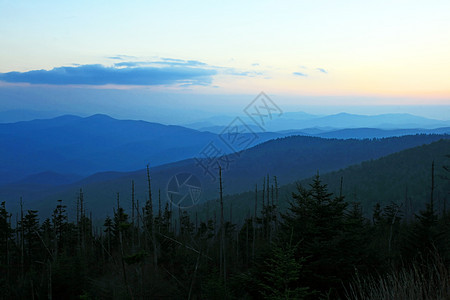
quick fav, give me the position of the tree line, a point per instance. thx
(321, 247)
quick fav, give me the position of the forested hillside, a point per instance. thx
(402, 178)
(290, 159)
(320, 247)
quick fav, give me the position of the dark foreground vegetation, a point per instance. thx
(321, 247)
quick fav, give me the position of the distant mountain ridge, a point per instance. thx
(301, 120)
(290, 159)
(83, 146)
(403, 178)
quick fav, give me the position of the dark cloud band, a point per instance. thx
(123, 75)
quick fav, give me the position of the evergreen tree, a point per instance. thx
(315, 220)
(6, 234)
(426, 236)
(5, 247)
(32, 242)
(109, 228)
(377, 214)
(281, 275)
(121, 224)
(48, 235)
(59, 220)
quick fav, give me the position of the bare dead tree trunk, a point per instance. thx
(246, 241)
(49, 283)
(254, 221)
(276, 203)
(132, 202)
(21, 239)
(123, 267)
(133, 206)
(159, 210)
(432, 187)
(222, 230)
(196, 222)
(138, 224)
(82, 218)
(91, 231)
(78, 211)
(152, 224)
(231, 212)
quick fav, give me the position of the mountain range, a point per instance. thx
(301, 120)
(402, 178)
(48, 159)
(84, 146)
(290, 159)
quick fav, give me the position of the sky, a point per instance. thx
(132, 59)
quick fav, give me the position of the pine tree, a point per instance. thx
(315, 219)
(377, 214)
(59, 220)
(109, 228)
(426, 236)
(32, 242)
(6, 234)
(121, 224)
(281, 275)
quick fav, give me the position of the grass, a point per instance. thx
(427, 280)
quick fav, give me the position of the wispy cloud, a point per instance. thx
(242, 73)
(300, 74)
(125, 75)
(322, 70)
(171, 62)
(129, 71)
(121, 57)
(172, 59)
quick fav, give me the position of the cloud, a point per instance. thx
(196, 63)
(121, 57)
(300, 74)
(172, 62)
(243, 73)
(130, 72)
(130, 64)
(125, 73)
(172, 59)
(322, 70)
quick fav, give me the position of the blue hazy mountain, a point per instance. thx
(17, 115)
(50, 179)
(301, 120)
(86, 145)
(364, 133)
(403, 178)
(345, 120)
(82, 146)
(290, 159)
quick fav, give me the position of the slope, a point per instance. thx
(291, 159)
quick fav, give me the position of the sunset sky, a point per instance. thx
(58, 55)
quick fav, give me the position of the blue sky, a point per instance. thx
(216, 56)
